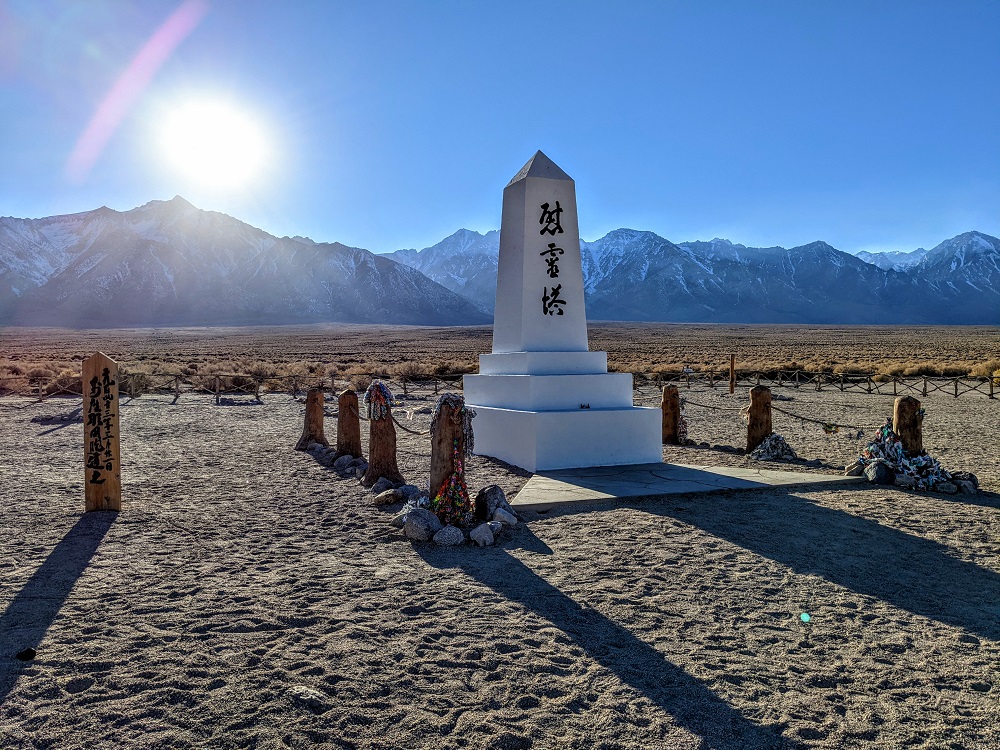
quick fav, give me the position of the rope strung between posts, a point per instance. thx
(407, 429)
(685, 400)
(830, 428)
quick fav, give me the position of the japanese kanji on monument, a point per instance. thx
(543, 399)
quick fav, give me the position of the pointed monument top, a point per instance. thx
(540, 165)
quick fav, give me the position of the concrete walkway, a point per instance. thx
(553, 489)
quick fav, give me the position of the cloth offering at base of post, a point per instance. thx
(459, 413)
(377, 400)
(452, 504)
(887, 448)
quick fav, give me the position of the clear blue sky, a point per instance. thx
(871, 125)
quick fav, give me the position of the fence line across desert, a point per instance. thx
(220, 384)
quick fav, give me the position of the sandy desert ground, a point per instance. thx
(241, 571)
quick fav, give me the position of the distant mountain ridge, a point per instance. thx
(638, 275)
(169, 263)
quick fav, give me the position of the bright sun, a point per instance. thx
(213, 143)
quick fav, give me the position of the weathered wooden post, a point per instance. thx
(991, 387)
(759, 425)
(956, 387)
(102, 446)
(348, 425)
(924, 392)
(381, 436)
(451, 436)
(670, 405)
(732, 373)
(907, 424)
(177, 387)
(312, 431)
(215, 387)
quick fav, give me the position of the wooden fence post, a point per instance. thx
(759, 426)
(102, 446)
(907, 424)
(177, 387)
(732, 373)
(925, 386)
(796, 378)
(670, 405)
(215, 387)
(348, 425)
(447, 429)
(312, 431)
(991, 387)
(382, 451)
(956, 387)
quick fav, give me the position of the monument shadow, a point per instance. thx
(907, 571)
(33, 610)
(692, 704)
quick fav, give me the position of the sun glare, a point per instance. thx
(213, 143)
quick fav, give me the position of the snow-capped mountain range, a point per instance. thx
(636, 275)
(169, 263)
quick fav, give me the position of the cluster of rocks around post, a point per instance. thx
(493, 513)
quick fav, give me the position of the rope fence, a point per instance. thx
(136, 384)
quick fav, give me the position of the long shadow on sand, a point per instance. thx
(904, 569)
(27, 618)
(691, 703)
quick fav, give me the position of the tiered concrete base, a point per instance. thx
(539, 440)
(559, 410)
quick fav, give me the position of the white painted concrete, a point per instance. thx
(520, 323)
(543, 363)
(542, 440)
(611, 390)
(530, 390)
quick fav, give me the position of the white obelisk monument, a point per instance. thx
(543, 400)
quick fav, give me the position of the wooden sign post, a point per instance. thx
(102, 453)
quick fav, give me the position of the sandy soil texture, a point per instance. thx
(248, 597)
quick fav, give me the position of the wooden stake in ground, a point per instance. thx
(381, 437)
(101, 436)
(907, 423)
(759, 426)
(671, 408)
(447, 429)
(348, 425)
(732, 373)
(312, 432)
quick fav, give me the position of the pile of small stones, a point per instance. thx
(417, 521)
(420, 524)
(346, 466)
